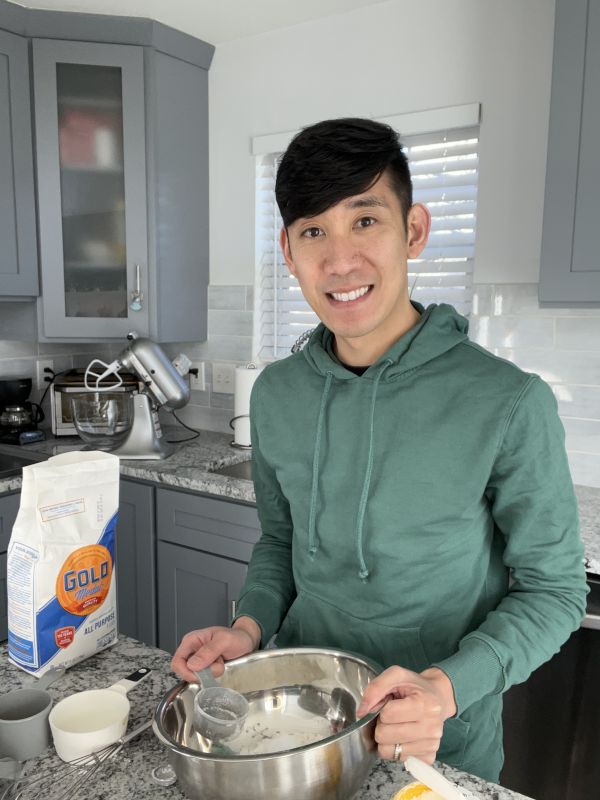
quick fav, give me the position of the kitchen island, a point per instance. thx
(129, 774)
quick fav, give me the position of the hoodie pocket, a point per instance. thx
(312, 622)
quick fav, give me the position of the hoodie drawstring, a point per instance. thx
(312, 539)
(313, 544)
(363, 572)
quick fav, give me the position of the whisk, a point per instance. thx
(82, 769)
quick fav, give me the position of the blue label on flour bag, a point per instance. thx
(80, 591)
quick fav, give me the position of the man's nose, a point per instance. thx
(340, 256)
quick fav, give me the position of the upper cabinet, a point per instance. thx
(120, 122)
(91, 173)
(18, 253)
(570, 259)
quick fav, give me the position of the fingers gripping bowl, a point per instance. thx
(301, 738)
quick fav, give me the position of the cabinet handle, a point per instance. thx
(136, 294)
(233, 609)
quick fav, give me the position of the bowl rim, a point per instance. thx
(258, 655)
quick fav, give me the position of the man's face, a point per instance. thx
(351, 263)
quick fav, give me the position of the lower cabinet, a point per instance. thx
(195, 590)
(204, 546)
(9, 506)
(181, 560)
(136, 562)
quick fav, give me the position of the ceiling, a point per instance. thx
(214, 21)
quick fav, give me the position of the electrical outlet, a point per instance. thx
(197, 382)
(41, 364)
(223, 375)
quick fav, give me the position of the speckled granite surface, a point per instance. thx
(190, 468)
(129, 774)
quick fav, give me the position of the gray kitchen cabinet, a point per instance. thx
(9, 506)
(18, 255)
(204, 548)
(570, 266)
(122, 180)
(136, 564)
(195, 590)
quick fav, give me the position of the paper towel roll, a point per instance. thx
(244, 381)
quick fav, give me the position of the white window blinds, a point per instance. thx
(444, 168)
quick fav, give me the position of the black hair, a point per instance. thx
(339, 158)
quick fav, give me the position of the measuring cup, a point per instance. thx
(88, 721)
(219, 713)
(24, 731)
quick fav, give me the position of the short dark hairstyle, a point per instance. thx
(335, 159)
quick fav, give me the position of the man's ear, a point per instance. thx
(284, 243)
(417, 234)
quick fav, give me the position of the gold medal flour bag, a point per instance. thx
(61, 581)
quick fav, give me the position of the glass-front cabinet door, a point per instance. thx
(91, 157)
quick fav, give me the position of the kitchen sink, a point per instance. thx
(11, 463)
(242, 469)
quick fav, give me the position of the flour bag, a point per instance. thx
(61, 581)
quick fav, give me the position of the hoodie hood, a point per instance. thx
(440, 329)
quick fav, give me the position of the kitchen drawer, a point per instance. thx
(214, 526)
(9, 506)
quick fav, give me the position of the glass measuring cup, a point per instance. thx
(219, 713)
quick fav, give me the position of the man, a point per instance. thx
(413, 489)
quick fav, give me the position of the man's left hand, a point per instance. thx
(414, 714)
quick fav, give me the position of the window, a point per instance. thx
(444, 169)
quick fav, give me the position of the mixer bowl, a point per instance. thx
(102, 419)
(300, 740)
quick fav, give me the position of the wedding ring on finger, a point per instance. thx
(397, 752)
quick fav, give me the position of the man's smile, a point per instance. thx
(353, 294)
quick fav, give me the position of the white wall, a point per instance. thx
(392, 58)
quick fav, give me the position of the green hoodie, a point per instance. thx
(394, 505)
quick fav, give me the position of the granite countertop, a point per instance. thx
(189, 468)
(129, 775)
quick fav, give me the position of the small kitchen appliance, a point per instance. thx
(72, 382)
(19, 417)
(163, 385)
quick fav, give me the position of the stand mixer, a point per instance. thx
(163, 386)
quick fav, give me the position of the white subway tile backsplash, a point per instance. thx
(229, 298)
(562, 345)
(230, 323)
(578, 401)
(578, 334)
(585, 468)
(511, 331)
(556, 366)
(12, 349)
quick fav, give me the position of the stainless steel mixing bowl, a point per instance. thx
(303, 694)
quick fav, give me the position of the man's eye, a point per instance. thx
(365, 222)
(311, 233)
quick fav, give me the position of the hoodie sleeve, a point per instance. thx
(534, 506)
(269, 589)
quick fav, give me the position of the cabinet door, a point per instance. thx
(136, 581)
(91, 182)
(570, 268)
(195, 590)
(18, 254)
(9, 507)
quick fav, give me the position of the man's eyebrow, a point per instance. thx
(369, 201)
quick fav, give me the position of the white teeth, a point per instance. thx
(353, 295)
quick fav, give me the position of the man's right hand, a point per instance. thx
(213, 646)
